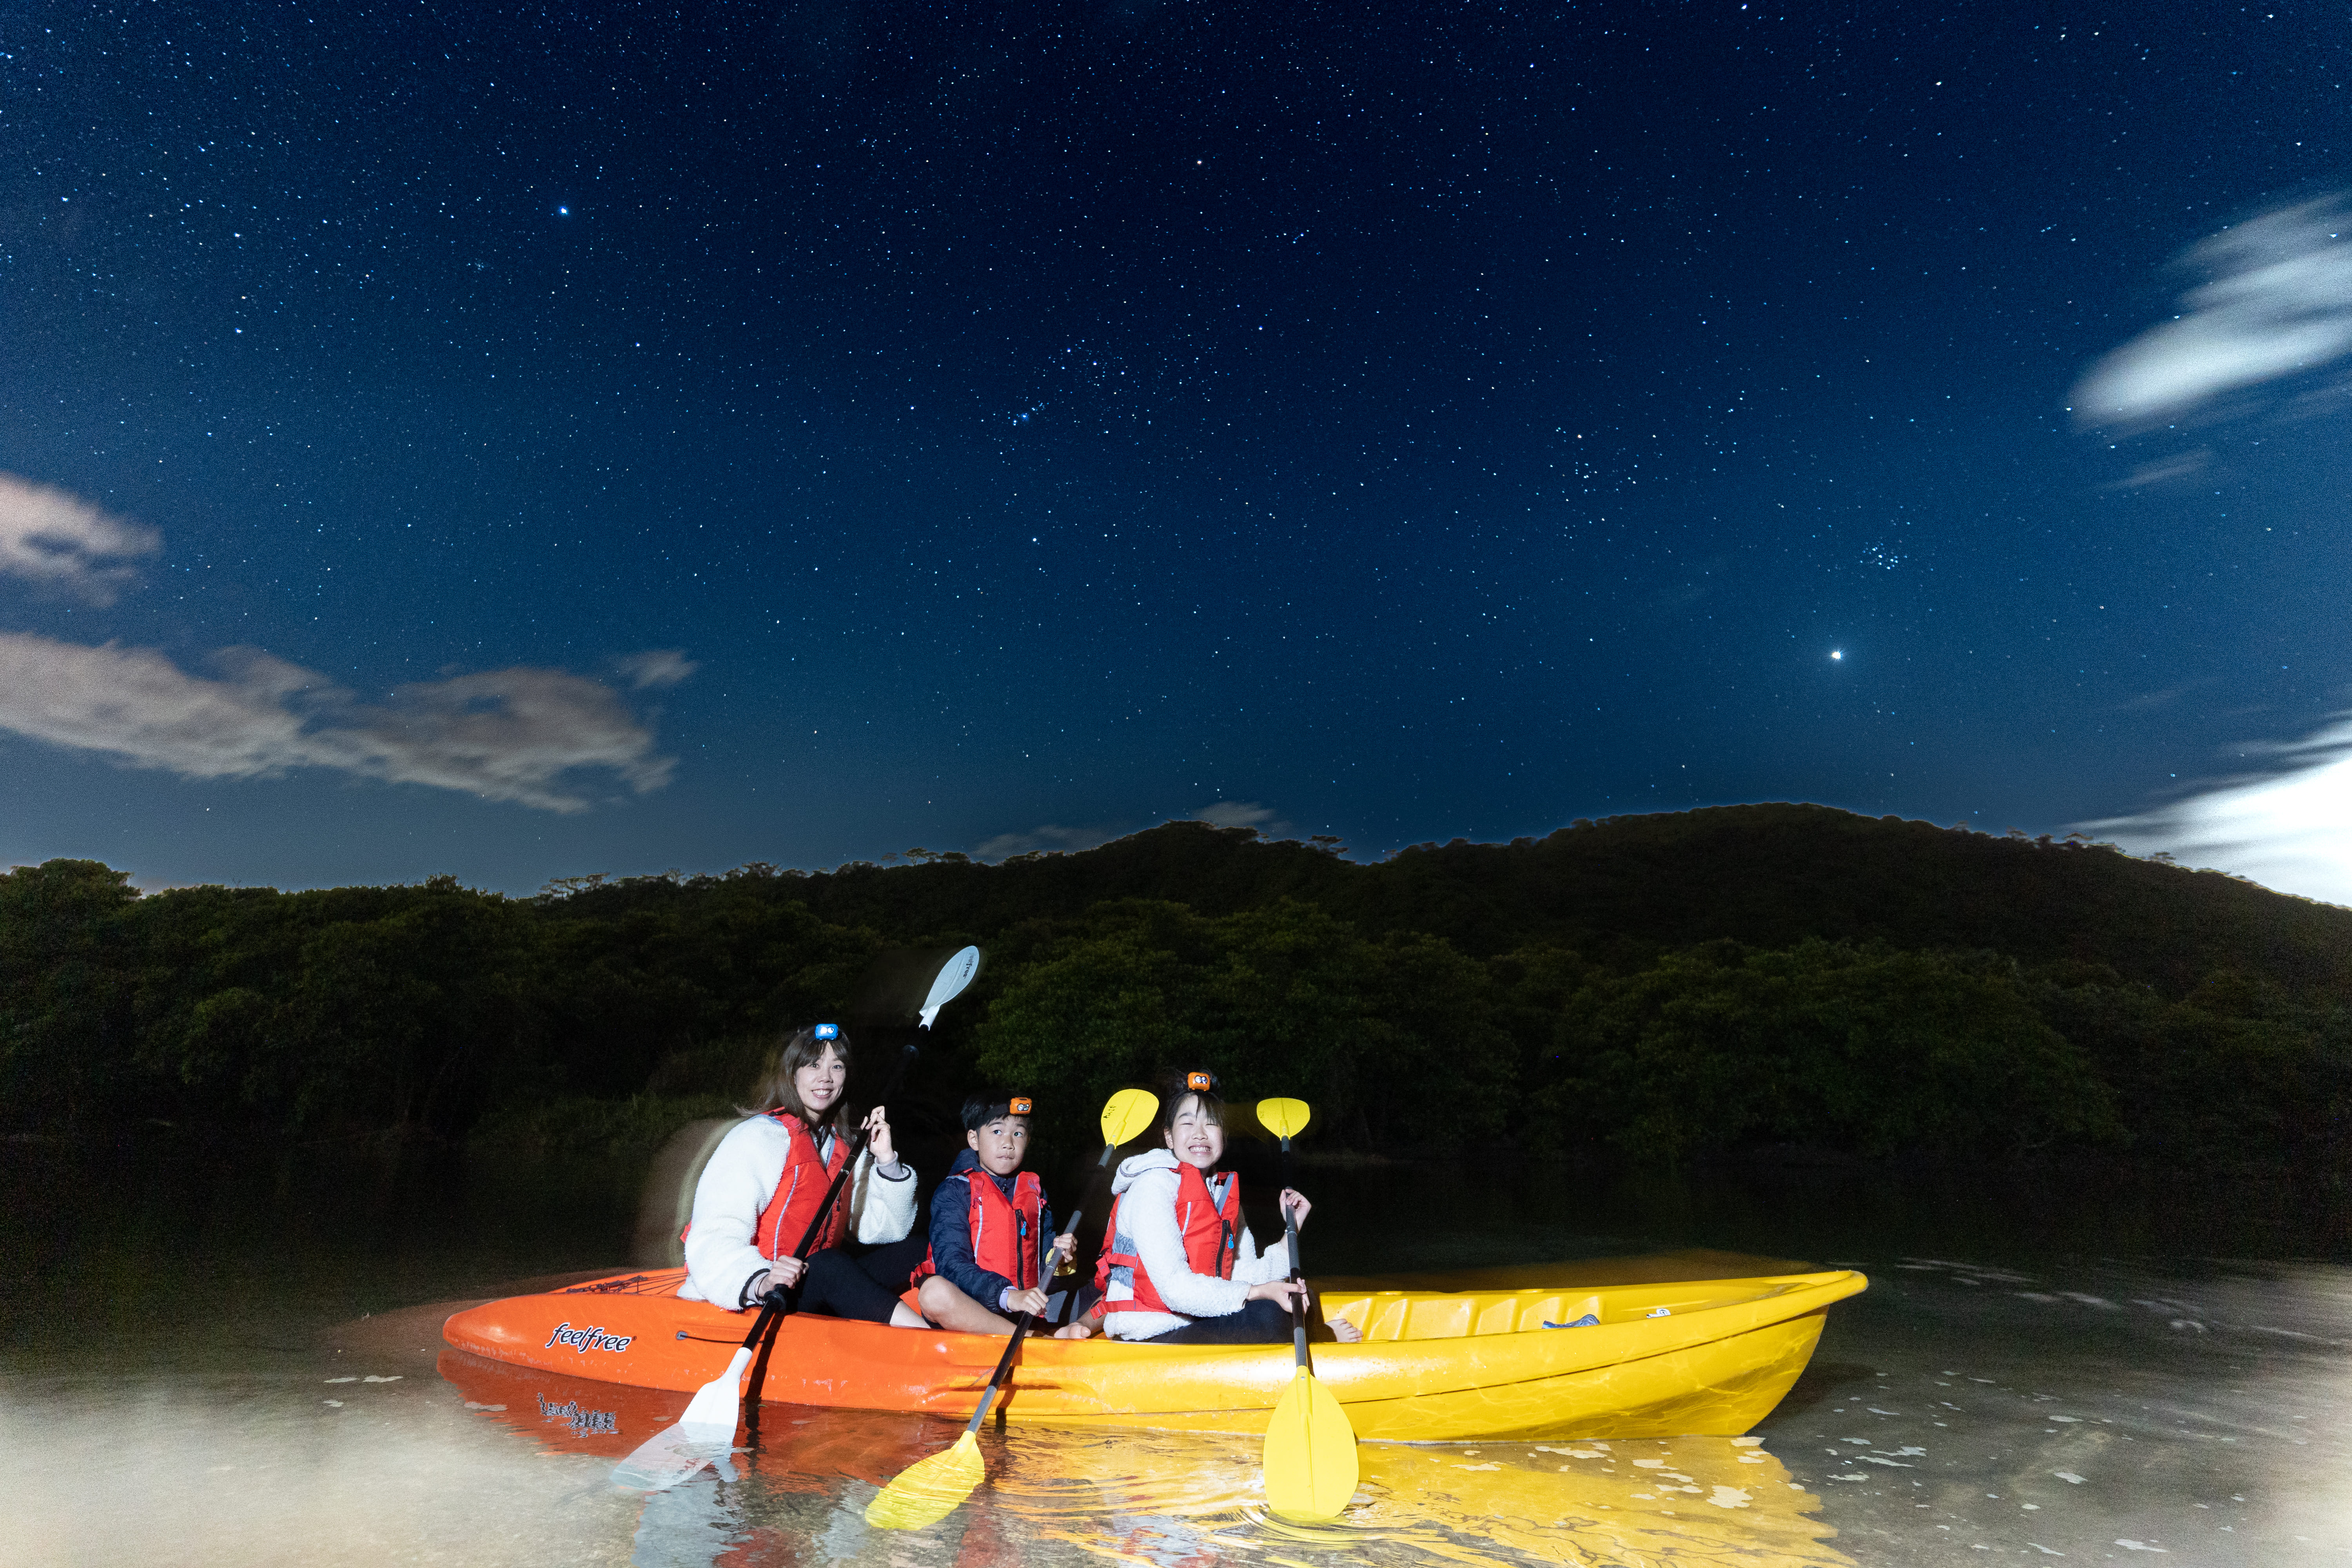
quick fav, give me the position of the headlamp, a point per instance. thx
(828, 1031)
(1019, 1106)
(1201, 1082)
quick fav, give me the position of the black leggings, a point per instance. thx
(864, 1288)
(1259, 1323)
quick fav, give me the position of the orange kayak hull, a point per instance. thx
(1684, 1358)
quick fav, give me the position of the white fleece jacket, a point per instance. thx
(741, 1175)
(1145, 1188)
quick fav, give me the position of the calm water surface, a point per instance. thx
(207, 1357)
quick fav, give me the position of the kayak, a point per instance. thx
(1683, 1358)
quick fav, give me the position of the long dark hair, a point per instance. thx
(778, 1091)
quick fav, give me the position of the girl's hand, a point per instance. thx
(784, 1271)
(1067, 1245)
(1298, 1207)
(877, 1134)
(1026, 1301)
(1281, 1292)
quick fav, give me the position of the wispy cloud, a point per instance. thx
(1053, 838)
(2163, 472)
(519, 734)
(2279, 300)
(2291, 830)
(1240, 813)
(656, 667)
(1050, 838)
(67, 545)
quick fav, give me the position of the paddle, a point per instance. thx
(954, 976)
(929, 1490)
(1311, 1447)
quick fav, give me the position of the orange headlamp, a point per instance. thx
(1019, 1106)
(1201, 1082)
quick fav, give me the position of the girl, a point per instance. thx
(767, 1180)
(1179, 1267)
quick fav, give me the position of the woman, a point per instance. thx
(1179, 1266)
(767, 1180)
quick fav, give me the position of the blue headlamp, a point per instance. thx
(828, 1031)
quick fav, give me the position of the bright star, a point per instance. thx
(1837, 653)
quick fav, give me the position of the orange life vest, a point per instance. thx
(1006, 1237)
(784, 1217)
(1212, 1234)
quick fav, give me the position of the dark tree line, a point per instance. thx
(1661, 988)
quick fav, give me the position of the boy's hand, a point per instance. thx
(1026, 1301)
(1066, 1248)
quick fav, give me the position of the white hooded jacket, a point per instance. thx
(721, 1259)
(1146, 1220)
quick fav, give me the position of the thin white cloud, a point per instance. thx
(2290, 830)
(2279, 301)
(67, 545)
(2163, 472)
(656, 667)
(517, 734)
(1239, 813)
(1049, 839)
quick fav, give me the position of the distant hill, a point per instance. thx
(1664, 985)
(1769, 876)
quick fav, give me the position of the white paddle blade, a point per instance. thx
(670, 1455)
(954, 976)
(717, 1403)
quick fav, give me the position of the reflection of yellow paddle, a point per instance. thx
(1310, 1448)
(928, 1490)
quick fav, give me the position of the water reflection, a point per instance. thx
(211, 1427)
(797, 1492)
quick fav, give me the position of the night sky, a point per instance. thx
(530, 441)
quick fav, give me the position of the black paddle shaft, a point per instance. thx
(1298, 1297)
(1021, 1326)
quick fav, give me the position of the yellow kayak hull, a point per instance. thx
(1691, 1357)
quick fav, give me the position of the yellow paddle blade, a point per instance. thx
(1131, 1110)
(928, 1490)
(1283, 1118)
(1310, 1453)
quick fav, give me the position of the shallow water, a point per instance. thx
(198, 1385)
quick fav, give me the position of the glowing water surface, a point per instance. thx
(2055, 1404)
(448, 1457)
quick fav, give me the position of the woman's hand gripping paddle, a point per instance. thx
(1311, 1447)
(928, 1490)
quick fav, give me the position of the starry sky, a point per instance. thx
(530, 441)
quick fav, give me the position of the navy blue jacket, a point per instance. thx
(951, 1231)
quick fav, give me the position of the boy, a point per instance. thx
(989, 1255)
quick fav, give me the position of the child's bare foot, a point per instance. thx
(1072, 1332)
(1346, 1332)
